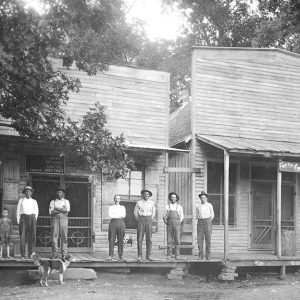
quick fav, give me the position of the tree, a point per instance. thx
(32, 91)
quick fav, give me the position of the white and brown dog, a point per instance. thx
(47, 266)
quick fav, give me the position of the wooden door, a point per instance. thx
(263, 217)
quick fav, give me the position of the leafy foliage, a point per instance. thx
(32, 92)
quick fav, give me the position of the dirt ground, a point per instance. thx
(108, 286)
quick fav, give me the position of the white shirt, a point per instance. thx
(117, 212)
(177, 207)
(204, 211)
(59, 203)
(145, 208)
(27, 206)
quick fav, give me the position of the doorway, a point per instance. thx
(263, 212)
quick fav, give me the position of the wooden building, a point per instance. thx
(241, 126)
(137, 105)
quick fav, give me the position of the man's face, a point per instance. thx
(59, 194)
(203, 199)
(173, 198)
(146, 195)
(117, 199)
(28, 193)
(5, 213)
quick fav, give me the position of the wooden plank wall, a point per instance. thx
(247, 93)
(137, 101)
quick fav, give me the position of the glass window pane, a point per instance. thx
(136, 175)
(123, 186)
(264, 172)
(214, 177)
(215, 201)
(136, 187)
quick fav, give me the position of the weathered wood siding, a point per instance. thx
(244, 93)
(136, 101)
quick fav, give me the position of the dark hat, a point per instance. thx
(170, 194)
(144, 191)
(27, 187)
(60, 188)
(202, 194)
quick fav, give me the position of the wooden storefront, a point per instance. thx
(137, 105)
(242, 120)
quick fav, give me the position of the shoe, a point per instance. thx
(149, 258)
(177, 257)
(200, 257)
(109, 258)
(139, 258)
(121, 259)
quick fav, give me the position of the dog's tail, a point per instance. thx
(36, 259)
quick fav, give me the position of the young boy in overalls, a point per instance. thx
(5, 232)
(173, 218)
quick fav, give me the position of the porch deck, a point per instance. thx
(96, 260)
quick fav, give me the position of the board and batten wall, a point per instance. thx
(243, 93)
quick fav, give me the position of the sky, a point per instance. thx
(158, 24)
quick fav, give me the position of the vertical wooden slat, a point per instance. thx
(278, 210)
(226, 202)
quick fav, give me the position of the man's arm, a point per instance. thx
(212, 214)
(136, 211)
(19, 210)
(153, 210)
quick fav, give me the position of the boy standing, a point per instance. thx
(5, 232)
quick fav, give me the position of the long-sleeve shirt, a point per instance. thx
(27, 206)
(59, 203)
(117, 212)
(177, 207)
(204, 211)
(145, 208)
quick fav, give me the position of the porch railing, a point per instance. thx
(79, 232)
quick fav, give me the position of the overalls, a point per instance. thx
(173, 231)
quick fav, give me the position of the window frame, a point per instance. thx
(235, 207)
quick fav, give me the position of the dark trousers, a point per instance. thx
(59, 227)
(173, 234)
(116, 229)
(27, 231)
(144, 226)
(204, 230)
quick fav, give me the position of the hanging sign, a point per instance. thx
(289, 166)
(45, 163)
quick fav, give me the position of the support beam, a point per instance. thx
(278, 213)
(226, 202)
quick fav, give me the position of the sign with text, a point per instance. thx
(289, 166)
(45, 163)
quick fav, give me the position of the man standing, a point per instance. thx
(59, 209)
(205, 215)
(173, 218)
(116, 228)
(144, 212)
(27, 214)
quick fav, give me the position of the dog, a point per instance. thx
(47, 266)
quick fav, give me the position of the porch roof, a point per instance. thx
(240, 145)
(154, 148)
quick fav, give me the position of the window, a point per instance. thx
(130, 190)
(215, 190)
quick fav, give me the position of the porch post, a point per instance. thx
(278, 211)
(226, 202)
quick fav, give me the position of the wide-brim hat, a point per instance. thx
(27, 187)
(170, 194)
(60, 188)
(202, 194)
(144, 191)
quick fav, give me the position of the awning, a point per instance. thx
(239, 145)
(154, 148)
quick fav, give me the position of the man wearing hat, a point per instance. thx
(205, 215)
(173, 218)
(144, 212)
(59, 209)
(27, 214)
